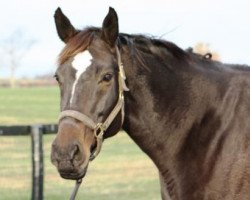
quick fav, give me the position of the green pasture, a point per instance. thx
(29, 105)
(121, 171)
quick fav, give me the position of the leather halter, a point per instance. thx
(100, 127)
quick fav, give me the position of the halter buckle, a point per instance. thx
(99, 130)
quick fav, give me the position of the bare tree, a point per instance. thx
(14, 49)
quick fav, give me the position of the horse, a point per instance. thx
(190, 115)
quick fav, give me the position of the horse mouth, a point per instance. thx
(74, 175)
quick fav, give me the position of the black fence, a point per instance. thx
(36, 132)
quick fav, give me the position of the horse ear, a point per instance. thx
(64, 28)
(110, 28)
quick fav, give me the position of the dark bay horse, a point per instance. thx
(189, 114)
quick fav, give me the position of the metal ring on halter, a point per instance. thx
(99, 130)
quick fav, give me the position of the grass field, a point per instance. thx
(121, 171)
(29, 105)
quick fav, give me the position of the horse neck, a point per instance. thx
(158, 108)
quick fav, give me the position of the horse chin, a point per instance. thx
(76, 174)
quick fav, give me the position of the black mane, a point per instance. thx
(165, 49)
(150, 44)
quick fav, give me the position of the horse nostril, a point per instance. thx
(75, 150)
(54, 155)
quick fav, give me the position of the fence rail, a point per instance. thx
(36, 132)
(26, 129)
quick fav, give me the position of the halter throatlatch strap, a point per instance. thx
(100, 127)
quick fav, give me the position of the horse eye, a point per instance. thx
(107, 77)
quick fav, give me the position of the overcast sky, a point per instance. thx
(223, 24)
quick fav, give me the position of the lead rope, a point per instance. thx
(74, 192)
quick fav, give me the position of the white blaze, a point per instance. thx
(80, 63)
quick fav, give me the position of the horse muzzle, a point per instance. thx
(71, 149)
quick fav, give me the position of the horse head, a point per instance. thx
(91, 82)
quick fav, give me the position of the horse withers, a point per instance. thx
(190, 115)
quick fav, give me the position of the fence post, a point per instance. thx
(37, 162)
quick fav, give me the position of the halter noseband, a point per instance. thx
(100, 127)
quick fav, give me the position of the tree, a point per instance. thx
(14, 48)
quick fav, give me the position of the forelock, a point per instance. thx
(77, 44)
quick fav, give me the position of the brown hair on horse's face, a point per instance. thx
(87, 77)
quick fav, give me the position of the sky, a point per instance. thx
(223, 24)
